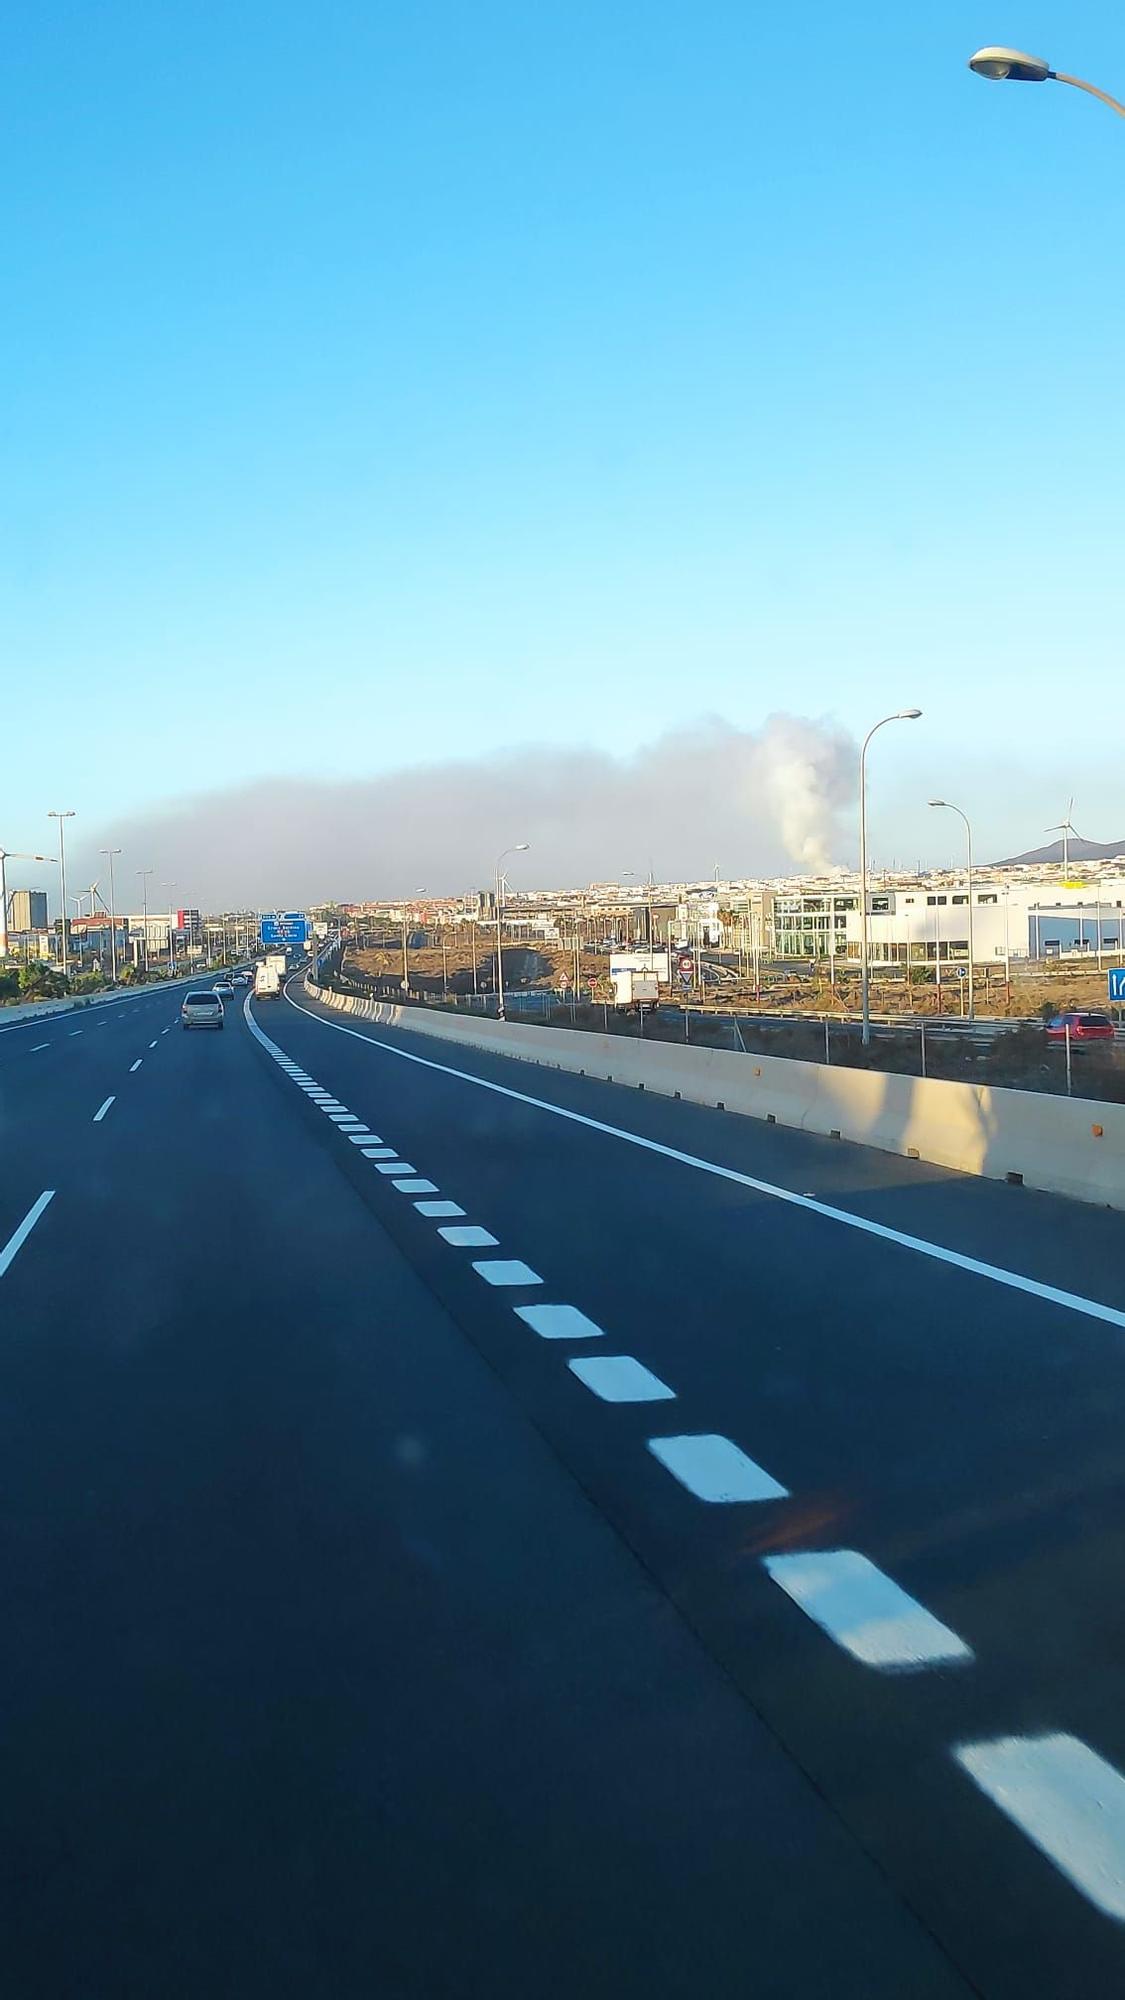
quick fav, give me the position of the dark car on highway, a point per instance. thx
(1084, 1025)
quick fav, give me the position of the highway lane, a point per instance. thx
(962, 1436)
(322, 1673)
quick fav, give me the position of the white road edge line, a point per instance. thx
(620, 1378)
(19, 1236)
(995, 1273)
(866, 1611)
(100, 1113)
(1069, 1801)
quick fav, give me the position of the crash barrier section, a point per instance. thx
(1064, 1145)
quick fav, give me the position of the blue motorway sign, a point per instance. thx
(1117, 983)
(285, 927)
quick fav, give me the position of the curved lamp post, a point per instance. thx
(521, 847)
(900, 715)
(1015, 66)
(947, 807)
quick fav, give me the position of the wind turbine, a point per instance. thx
(1066, 827)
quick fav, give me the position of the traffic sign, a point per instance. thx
(285, 927)
(687, 962)
(1117, 983)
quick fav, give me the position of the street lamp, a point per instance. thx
(947, 807)
(12, 854)
(109, 853)
(144, 874)
(521, 847)
(900, 715)
(1014, 66)
(169, 886)
(61, 816)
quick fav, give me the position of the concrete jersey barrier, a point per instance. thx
(1073, 1146)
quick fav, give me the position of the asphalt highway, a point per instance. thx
(466, 1529)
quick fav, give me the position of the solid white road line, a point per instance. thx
(100, 1114)
(975, 1266)
(436, 1208)
(1067, 1799)
(136, 1065)
(618, 1378)
(19, 1236)
(713, 1468)
(415, 1186)
(559, 1323)
(865, 1611)
(468, 1236)
(506, 1271)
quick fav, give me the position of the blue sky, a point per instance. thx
(392, 384)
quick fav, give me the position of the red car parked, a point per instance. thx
(1084, 1026)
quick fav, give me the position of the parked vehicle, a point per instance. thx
(201, 1009)
(1085, 1026)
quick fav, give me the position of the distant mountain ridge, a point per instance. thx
(1077, 850)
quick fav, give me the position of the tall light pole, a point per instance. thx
(169, 886)
(144, 874)
(900, 715)
(11, 854)
(521, 847)
(61, 817)
(1015, 66)
(947, 807)
(109, 853)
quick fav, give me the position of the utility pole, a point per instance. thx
(109, 853)
(61, 817)
(144, 874)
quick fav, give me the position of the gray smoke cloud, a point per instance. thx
(750, 802)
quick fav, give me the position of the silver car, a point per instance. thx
(201, 1009)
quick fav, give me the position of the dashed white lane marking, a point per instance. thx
(152, 1045)
(713, 1468)
(19, 1236)
(363, 1138)
(559, 1323)
(74, 1033)
(100, 1113)
(415, 1186)
(865, 1611)
(618, 1378)
(1067, 1800)
(468, 1236)
(436, 1208)
(343, 1118)
(164, 1031)
(379, 1153)
(136, 1065)
(881, 1231)
(507, 1271)
(39, 1045)
(393, 1166)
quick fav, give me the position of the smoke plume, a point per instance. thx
(713, 796)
